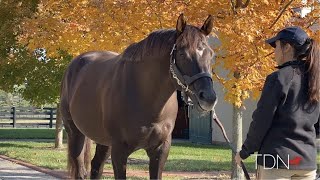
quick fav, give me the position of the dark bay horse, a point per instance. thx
(125, 102)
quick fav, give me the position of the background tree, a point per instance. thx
(242, 26)
(37, 75)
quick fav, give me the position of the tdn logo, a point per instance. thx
(276, 160)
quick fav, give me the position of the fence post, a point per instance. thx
(14, 116)
(51, 118)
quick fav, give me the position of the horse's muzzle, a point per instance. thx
(206, 99)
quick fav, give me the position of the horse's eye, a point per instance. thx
(200, 48)
(181, 54)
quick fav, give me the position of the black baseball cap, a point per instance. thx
(294, 35)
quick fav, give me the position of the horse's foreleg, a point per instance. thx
(158, 157)
(101, 155)
(119, 156)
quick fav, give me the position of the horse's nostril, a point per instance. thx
(202, 95)
(206, 96)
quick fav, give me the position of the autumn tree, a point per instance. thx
(112, 25)
(38, 75)
(241, 25)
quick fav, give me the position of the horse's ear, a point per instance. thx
(181, 24)
(207, 26)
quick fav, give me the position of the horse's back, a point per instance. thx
(77, 65)
(80, 84)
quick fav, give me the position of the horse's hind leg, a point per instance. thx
(158, 157)
(119, 156)
(101, 155)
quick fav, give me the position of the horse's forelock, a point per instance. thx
(190, 37)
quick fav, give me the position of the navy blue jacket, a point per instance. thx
(284, 123)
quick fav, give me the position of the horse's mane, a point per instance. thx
(160, 42)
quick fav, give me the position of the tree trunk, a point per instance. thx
(237, 172)
(59, 130)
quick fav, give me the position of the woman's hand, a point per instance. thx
(238, 159)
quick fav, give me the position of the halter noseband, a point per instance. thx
(184, 81)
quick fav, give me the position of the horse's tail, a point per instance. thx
(70, 165)
(86, 154)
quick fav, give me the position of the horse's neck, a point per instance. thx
(156, 80)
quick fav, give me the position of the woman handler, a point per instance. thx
(283, 127)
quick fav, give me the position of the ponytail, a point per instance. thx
(313, 61)
(310, 51)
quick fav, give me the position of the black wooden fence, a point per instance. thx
(23, 117)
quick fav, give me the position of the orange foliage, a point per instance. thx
(79, 26)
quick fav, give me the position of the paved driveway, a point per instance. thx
(11, 170)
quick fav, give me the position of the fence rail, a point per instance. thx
(9, 116)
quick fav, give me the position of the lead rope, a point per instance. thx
(216, 119)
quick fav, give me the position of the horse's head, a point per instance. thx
(190, 64)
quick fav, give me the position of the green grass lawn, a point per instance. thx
(182, 157)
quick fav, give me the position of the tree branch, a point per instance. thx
(232, 6)
(268, 54)
(125, 33)
(155, 12)
(246, 4)
(218, 77)
(238, 4)
(282, 11)
(258, 58)
(312, 23)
